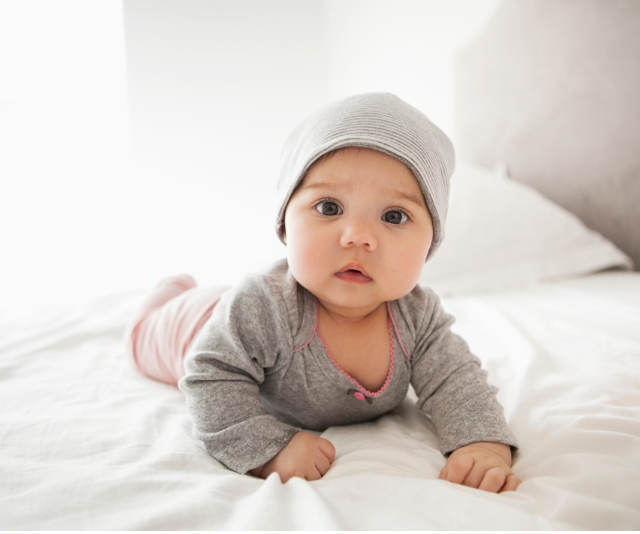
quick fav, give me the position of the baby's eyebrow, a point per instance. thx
(393, 193)
(409, 196)
(327, 185)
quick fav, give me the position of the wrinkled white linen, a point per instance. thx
(86, 442)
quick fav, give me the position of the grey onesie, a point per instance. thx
(259, 372)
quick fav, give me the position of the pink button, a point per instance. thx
(358, 395)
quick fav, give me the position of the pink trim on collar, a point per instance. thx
(313, 333)
(347, 375)
(353, 380)
(397, 333)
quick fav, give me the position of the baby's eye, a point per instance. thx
(395, 217)
(328, 207)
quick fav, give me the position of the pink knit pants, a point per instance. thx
(165, 325)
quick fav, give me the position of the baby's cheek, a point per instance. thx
(411, 271)
(305, 258)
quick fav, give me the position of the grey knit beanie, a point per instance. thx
(380, 121)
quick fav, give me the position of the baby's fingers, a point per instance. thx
(457, 469)
(312, 474)
(493, 480)
(444, 473)
(327, 448)
(322, 464)
(511, 484)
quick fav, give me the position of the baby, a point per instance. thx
(336, 333)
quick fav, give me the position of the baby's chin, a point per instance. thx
(350, 304)
(350, 311)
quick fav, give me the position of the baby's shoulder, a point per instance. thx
(273, 291)
(421, 302)
(417, 314)
(268, 285)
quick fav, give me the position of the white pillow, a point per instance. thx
(501, 234)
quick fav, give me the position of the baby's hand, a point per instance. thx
(484, 465)
(306, 456)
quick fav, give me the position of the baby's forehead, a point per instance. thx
(351, 168)
(357, 157)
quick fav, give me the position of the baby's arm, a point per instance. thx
(306, 456)
(225, 368)
(484, 465)
(453, 391)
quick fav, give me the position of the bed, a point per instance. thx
(550, 304)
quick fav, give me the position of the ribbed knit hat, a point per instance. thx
(380, 121)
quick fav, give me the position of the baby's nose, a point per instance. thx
(358, 232)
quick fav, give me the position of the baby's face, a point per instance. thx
(358, 231)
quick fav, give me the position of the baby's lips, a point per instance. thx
(354, 266)
(352, 275)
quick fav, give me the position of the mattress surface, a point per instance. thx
(86, 442)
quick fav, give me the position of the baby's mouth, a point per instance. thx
(353, 275)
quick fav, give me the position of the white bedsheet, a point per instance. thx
(88, 443)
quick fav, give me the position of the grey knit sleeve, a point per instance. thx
(246, 336)
(451, 386)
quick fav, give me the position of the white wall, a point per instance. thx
(132, 150)
(402, 46)
(63, 137)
